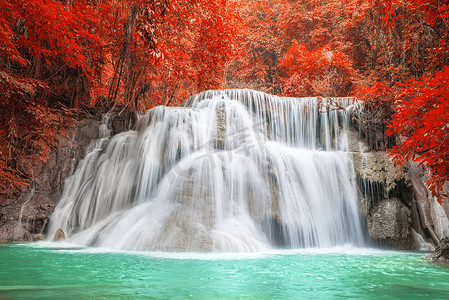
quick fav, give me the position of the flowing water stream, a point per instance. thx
(236, 195)
(231, 171)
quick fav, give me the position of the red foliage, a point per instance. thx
(257, 68)
(198, 42)
(130, 54)
(318, 72)
(391, 54)
(421, 119)
(135, 54)
(35, 38)
(44, 28)
(422, 113)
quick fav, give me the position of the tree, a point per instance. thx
(422, 114)
(318, 72)
(200, 40)
(44, 49)
(57, 56)
(257, 67)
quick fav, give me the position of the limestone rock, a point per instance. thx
(419, 243)
(221, 128)
(121, 122)
(433, 216)
(378, 167)
(440, 218)
(24, 218)
(60, 235)
(441, 253)
(13, 233)
(389, 222)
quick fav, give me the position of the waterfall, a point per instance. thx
(231, 170)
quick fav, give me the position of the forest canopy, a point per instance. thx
(59, 58)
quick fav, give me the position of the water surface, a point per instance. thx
(41, 271)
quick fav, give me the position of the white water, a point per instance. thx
(234, 171)
(22, 208)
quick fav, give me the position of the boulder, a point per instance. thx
(60, 235)
(441, 253)
(11, 232)
(389, 223)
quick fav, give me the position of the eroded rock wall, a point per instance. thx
(389, 220)
(24, 218)
(384, 193)
(394, 200)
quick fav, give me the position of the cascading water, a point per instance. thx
(233, 170)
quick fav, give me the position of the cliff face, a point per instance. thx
(394, 201)
(24, 218)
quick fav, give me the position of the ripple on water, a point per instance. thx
(49, 270)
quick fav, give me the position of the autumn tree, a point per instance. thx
(200, 40)
(132, 44)
(318, 72)
(257, 68)
(117, 55)
(44, 64)
(422, 114)
(163, 51)
(316, 60)
(392, 55)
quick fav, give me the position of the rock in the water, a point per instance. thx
(441, 253)
(389, 222)
(14, 233)
(38, 237)
(60, 235)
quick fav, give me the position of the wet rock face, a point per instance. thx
(375, 170)
(441, 253)
(60, 235)
(25, 218)
(11, 232)
(121, 122)
(389, 222)
(385, 194)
